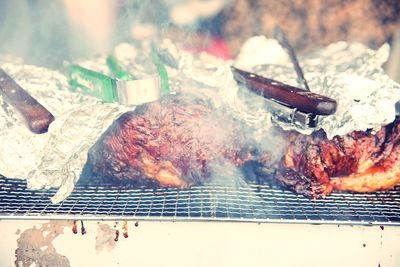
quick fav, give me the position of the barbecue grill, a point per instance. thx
(365, 225)
(219, 223)
(255, 203)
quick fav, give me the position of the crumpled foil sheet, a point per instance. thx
(56, 158)
(349, 73)
(216, 74)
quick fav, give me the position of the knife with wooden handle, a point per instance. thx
(291, 96)
(37, 117)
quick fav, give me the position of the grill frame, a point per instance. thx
(212, 202)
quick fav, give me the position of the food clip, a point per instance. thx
(123, 87)
(286, 103)
(129, 89)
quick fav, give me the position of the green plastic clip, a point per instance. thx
(92, 83)
(162, 71)
(118, 69)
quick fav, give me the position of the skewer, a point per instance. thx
(280, 36)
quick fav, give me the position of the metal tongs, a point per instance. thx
(288, 104)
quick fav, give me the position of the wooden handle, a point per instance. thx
(305, 101)
(37, 117)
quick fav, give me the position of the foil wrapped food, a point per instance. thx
(350, 73)
(56, 158)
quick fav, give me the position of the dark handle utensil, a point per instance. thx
(294, 97)
(37, 117)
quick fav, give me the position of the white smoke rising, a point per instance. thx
(34, 30)
(47, 33)
(231, 193)
(42, 35)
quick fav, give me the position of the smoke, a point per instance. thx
(48, 33)
(232, 196)
(34, 31)
(236, 135)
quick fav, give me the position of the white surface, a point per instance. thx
(219, 244)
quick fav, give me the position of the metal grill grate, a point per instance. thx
(211, 202)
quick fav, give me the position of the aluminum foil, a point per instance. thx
(56, 158)
(350, 73)
(19, 151)
(70, 139)
(216, 74)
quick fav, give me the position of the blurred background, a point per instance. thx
(47, 33)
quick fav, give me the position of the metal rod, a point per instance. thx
(194, 219)
(280, 36)
(259, 203)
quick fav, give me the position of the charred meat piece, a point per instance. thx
(174, 142)
(170, 142)
(359, 162)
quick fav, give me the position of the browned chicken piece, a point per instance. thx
(174, 142)
(382, 176)
(171, 142)
(359, 162)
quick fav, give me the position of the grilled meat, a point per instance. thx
(359, 161)
(169, 143)
(173, 143)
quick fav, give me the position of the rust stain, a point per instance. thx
(83, 229)
(34, 248)
(125, 229)
(75, 228)
(116, 235)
